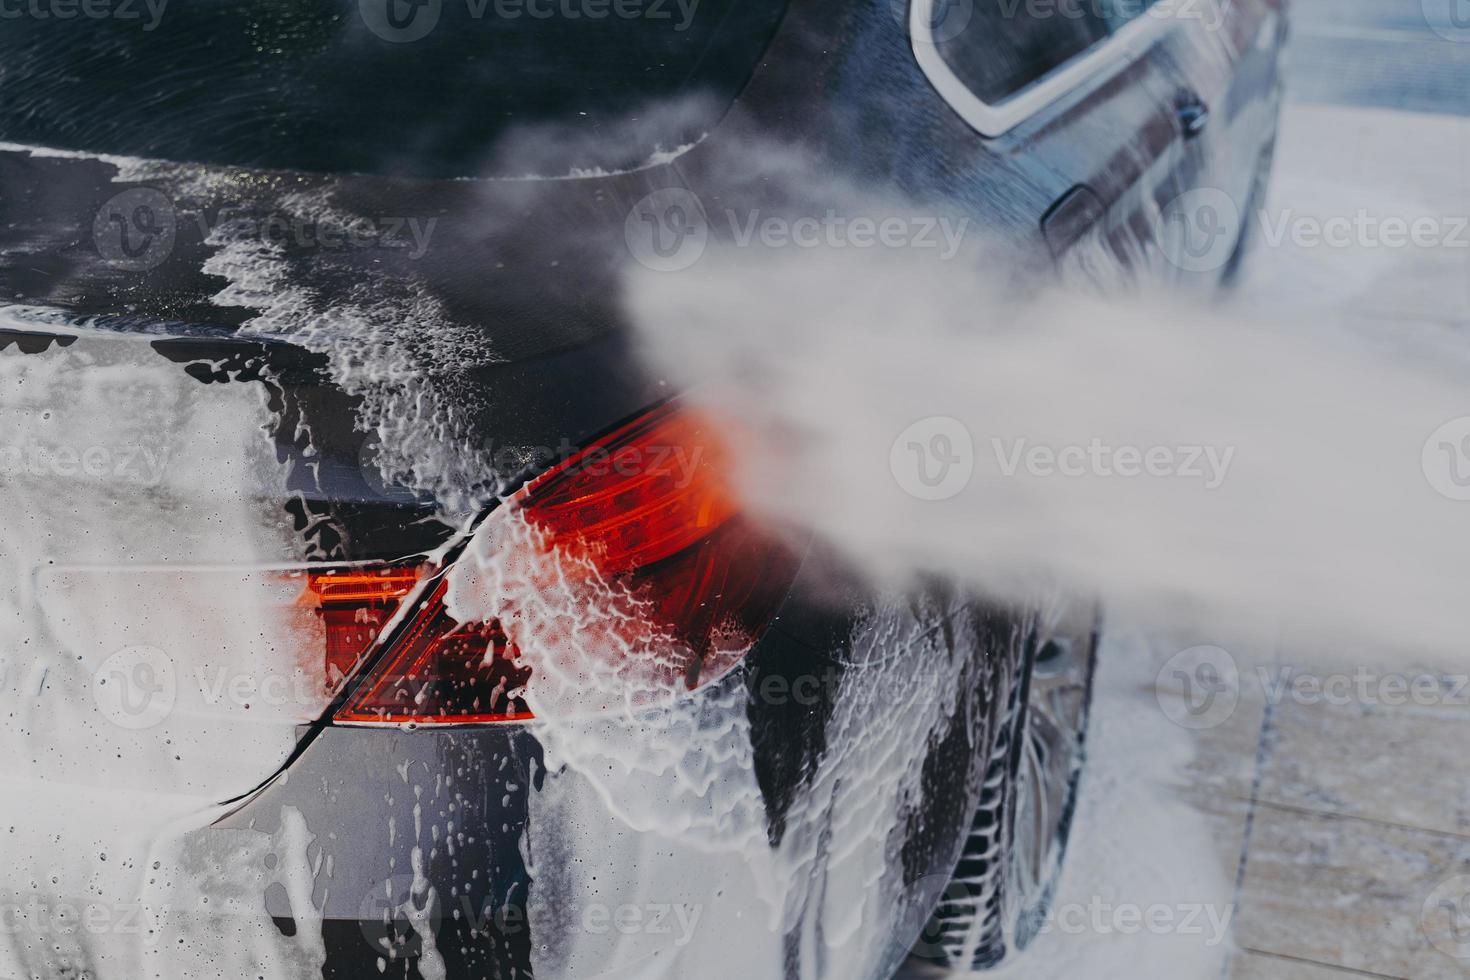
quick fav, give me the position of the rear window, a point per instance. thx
(999, 47)
(420, 87)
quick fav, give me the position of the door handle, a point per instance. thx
(1194, 115)
(1071, 217)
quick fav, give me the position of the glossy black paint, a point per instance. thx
(531, 268)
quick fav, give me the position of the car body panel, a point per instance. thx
(367, 400)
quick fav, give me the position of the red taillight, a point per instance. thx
(442, 670)
(646, 512)
(657, 489)
(354, 603)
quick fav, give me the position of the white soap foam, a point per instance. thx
(140, 509)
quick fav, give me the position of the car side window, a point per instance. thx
(998, 48)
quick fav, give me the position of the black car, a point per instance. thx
(371, 607)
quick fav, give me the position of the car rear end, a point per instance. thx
(369, 606)
(606, 727)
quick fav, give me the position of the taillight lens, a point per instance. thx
(440, 669)
(354, 603)
(648, 512)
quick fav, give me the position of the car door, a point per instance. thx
(1111, 96)
(1227, 61)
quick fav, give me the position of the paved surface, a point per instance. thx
(1352, 809)
(1383, 53)
(1357, 806)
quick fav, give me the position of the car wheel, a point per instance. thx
(1002, 887)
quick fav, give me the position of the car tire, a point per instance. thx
(1001, 889)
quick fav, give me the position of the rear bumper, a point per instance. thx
(784, 821)
(570, 851)
(767, 827)
(409, 843)
(452, 854)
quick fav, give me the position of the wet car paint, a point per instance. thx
(509, 317)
